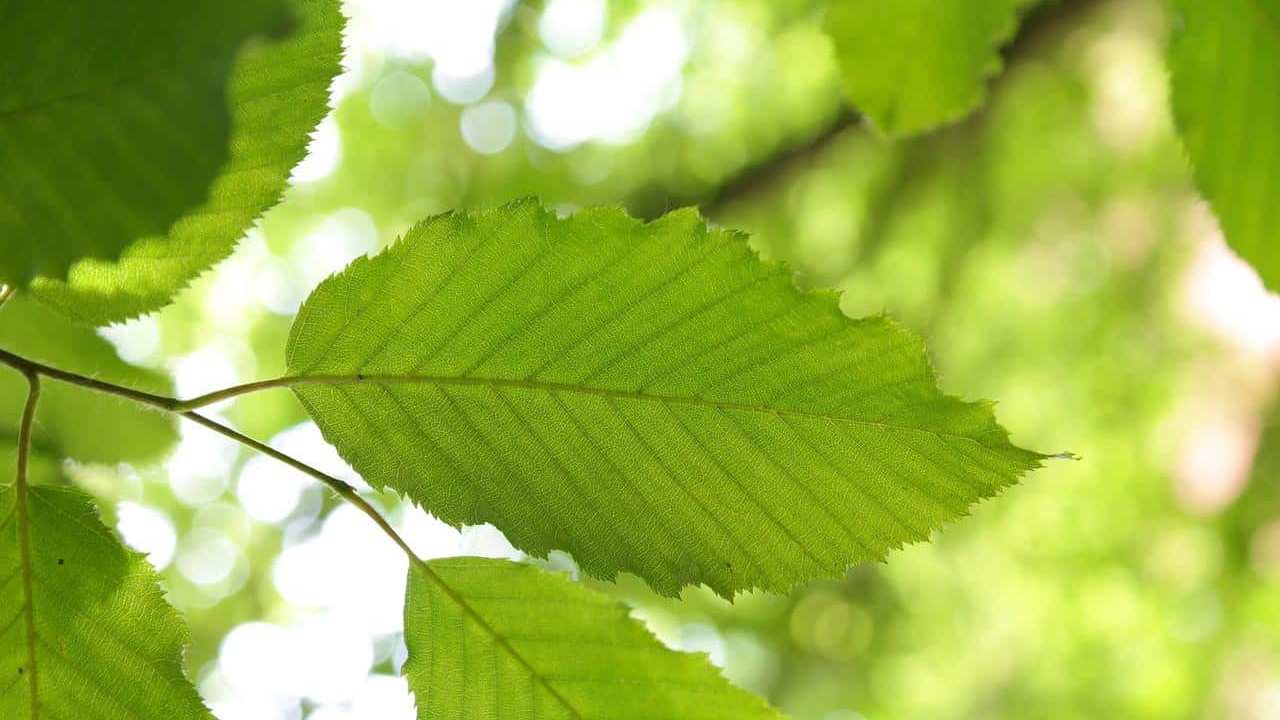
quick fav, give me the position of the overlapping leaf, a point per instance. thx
(651, 398)
(910, 65)
(74, 422)
(278, 92)
(85, 632)
(1225, 66)
(113, 121)
(496, 639)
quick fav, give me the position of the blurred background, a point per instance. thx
(1050, 247)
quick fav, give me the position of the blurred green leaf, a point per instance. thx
(911, 65)
(492, 638)
(113, 121)
(75, 422)
(105, 643)
(1225, 66)
(652, 398)
(279, 91)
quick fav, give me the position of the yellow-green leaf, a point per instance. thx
(85, 632)
(910, 65)
(497, 639)
(1224, 62)
(651, 398)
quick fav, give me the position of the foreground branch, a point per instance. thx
(343, 489)
(33, 371)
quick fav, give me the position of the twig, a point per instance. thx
(33, 370)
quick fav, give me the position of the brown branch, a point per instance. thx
(1044, 25)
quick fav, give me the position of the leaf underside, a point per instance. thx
(279, 91)
(650, 398)
(106, 644)
(496, 639)
(113, 121)
(1224, 62)
(911, 65)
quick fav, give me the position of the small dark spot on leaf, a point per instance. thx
(20, 670)
(61, 561)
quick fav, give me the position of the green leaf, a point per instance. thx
(75, 422)
(911, 65)
(279, 91)
(113, 121)
(651, 398)
(497, 639)
(85, 632)
(1224, 60)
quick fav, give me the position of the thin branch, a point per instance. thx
(24, 530)
(33, 370)
(30, 367)
(343, 489)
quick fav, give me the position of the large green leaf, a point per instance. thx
(910, 65)
(85, 632)
(651, 398)
(497, 639)
(279, 91)
(1225, 65)
(113, 121)
(75, 422)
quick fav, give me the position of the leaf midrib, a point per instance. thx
(570, 388)
(23, 539)
(461, 602)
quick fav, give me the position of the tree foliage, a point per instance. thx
(653, 398)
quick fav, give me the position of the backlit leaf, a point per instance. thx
(1225, 67)
(497, 639)
(113, 121)
(279, 91)
(85, 631)
(651, 398)
(910, 65)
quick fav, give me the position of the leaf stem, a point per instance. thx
(343, 489)
(235, 391)
(24, 530)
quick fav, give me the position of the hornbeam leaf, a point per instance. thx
(75, 422)
(497, 639)
(279, 91)
(651, 398)
(85, 632)
(910, 65)
(1225, 67)
(113, 121)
